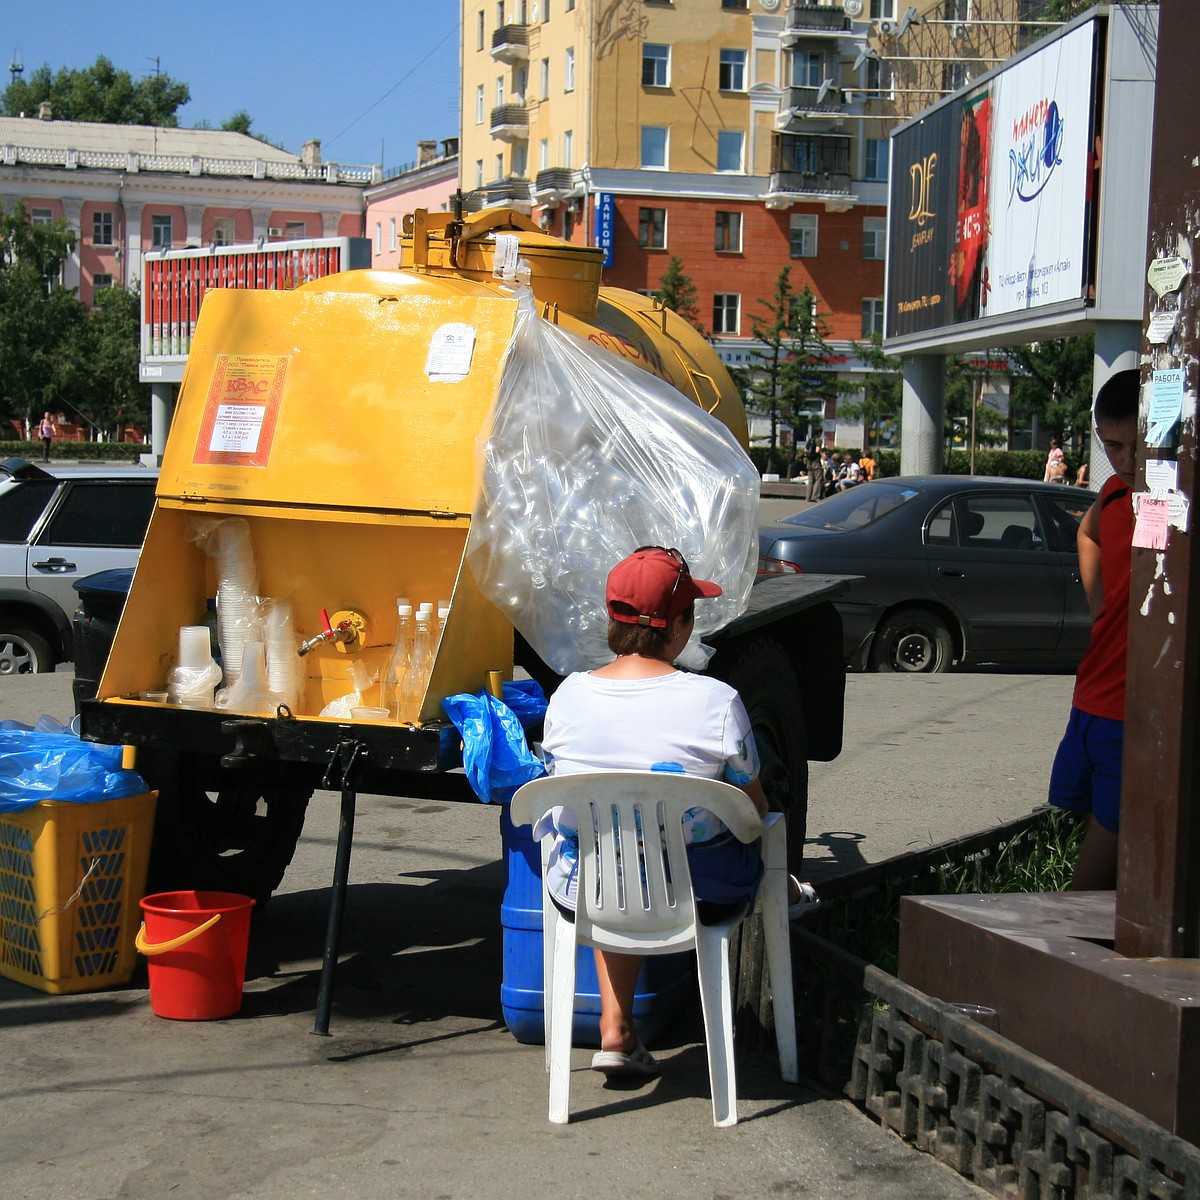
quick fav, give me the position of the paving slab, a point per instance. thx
(420, 1090)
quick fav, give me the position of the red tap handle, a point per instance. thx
(325, 622)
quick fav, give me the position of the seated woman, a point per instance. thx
(640, 713)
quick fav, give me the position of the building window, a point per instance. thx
(654, 147)
(543, 154)
(500, 14)
(725, 312)
(877, 159)
(520, 83)
(569, 70)
(295, 230)
(652, 228)
(392, 234)
(883, 9)
(479, 105)
(812, 153)
(569, 6)
(872, 317)
(102, 227)
(499, 166)
(224, 231)
(479, 30)
(378, 238)
(479, 172)
(729, 149)
(499, 91)
(568, 148)
(160, 232)
(874, 237)
(808, 70)
(879, 76)
(732, 71)
(735, 4)
(41, 216)
(100, 280)
(520, 160)
(803, 233)
(656, 65)
(728, 232)
(544, 79)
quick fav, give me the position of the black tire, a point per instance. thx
(761, 671)
(912, 639)
(23, 652)
(223, 830)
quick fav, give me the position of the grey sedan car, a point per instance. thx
(954, 569)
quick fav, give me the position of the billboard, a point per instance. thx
(991, 194)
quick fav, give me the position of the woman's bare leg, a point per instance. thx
(618, 975)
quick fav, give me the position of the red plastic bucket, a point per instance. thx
(196, 946)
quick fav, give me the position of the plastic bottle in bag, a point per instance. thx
(391, 686)
(420, 667)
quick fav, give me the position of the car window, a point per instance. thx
(942, 529)
(855, 508)
(999, 521)
(21, 506)
(101, 513)
(1065, 514)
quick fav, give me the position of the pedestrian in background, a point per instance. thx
(46, 433)
(816, 470)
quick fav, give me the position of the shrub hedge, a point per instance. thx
(118, 452)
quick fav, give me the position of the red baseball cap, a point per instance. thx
(654, 584)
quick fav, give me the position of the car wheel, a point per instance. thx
(24, 653)
(912, 639)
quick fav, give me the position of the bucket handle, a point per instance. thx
(149, 949)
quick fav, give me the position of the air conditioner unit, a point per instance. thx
(274, 231)
(886, 28)
(960, 32)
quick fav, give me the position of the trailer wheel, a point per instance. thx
(761, 671)
(221, 830)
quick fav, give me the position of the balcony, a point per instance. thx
(784, 188)
(552, 185)
(510, 123)
(811, 20)
(512, 191)
(808, 102)
(510, 44)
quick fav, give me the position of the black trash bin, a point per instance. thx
(101, 600)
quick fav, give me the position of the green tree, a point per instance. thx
(39, 317)
(791, 367)
(240, 122)
(677, 292)
(967, 414)
(1055, 385)
(97, 93)
(882, 393)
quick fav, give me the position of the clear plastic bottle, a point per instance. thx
(391, 686)
(420, 667)
(442, 613)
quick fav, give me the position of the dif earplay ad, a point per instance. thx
(990, 194)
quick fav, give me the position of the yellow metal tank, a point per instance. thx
(340, 420)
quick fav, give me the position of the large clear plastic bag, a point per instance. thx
(586, 457)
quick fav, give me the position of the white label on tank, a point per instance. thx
(508, 254)
(450, 351)
(237, 428)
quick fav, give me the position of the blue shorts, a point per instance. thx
(1086, 776)
(724, 870)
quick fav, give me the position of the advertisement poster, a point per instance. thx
(989, 196)
(242, 410)
(1041, 158)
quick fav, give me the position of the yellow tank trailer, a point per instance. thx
(311, 416)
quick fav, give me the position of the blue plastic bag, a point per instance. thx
(49, 762)
(496, 756)
(526, 698)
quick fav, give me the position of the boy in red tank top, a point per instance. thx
(1086, 776)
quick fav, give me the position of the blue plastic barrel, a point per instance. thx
(665, 985)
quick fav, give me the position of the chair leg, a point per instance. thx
(779, 967)
(550, 921)
(562, 998)
(716, 998)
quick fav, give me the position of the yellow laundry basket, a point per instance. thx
(71, 876)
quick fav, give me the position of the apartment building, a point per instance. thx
(738, 135)
(428, 183)
(128, 190)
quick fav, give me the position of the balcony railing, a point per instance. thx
(810, 100)
(552, 184)
(510, 123)
(814, 19)
(782, 185)
(504, 191)
(510, 44)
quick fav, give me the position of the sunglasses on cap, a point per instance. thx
(684, 569)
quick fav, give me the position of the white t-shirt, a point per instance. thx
(682, 723)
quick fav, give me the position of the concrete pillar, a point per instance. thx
(1118, 347)
(923, 416)
(162, 409)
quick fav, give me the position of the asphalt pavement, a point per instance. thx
(421, 1091)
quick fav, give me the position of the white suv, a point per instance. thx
(55, 529)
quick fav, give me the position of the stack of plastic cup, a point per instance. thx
(284, 667)
(193, 680)
(237, 593)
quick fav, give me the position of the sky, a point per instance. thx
(369, 84)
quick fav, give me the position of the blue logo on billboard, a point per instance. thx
(1038, 136)
(605, 220)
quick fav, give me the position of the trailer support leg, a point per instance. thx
(340, 770)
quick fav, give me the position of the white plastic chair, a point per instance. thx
(652, 911)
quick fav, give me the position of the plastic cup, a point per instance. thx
(153, 697)
(195, 647)
(365, 712)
